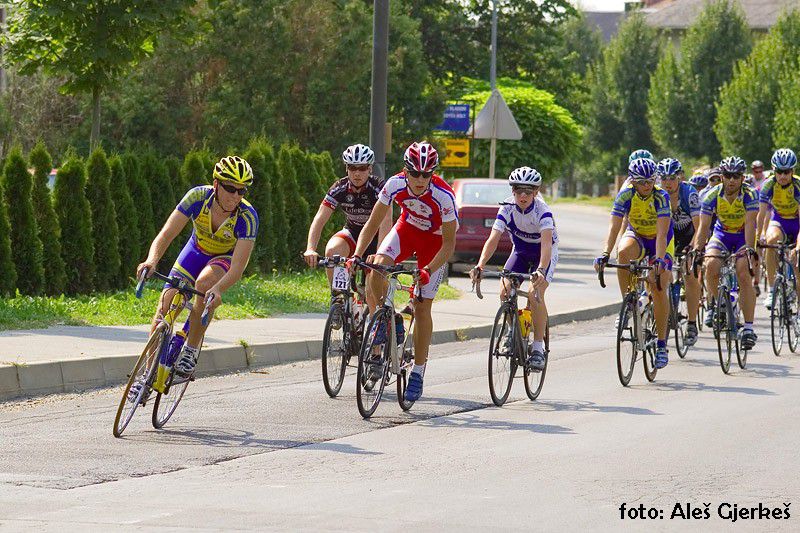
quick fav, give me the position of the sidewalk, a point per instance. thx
(69, 358)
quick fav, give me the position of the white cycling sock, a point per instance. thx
(191, 350)
(419, 369)
(538, 346)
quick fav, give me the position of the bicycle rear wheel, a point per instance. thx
(373, 363)
(723, 323)
(334, 349)
(777, 316)
(167, 402)
(142, 373)
(680, 321)
(626, 340)
(534, 381)
(502, 361)
(650, 345)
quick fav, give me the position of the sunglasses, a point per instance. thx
(233, 190)
(783, 172)
(731, 176)
(669, 177)
(417, 173)
(358, 168)
(715, 179)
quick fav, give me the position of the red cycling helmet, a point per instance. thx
(421, 156)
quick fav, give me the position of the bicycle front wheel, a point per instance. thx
(650, 344)
(725, 327)
(777, 316)
(334, 349)
(626, 340)
(502, 362)
(680, 321)
(534, 381)
(142, 376)
(406, 364)
(373, 363)
(168, 401)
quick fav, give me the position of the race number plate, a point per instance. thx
(341, 279)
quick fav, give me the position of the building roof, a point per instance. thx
(680, 14)
(606, 22)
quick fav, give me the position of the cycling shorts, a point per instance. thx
(789, 226)
(647, 248)
(526, 261)
(404, 240)
(728, 242)
(192, 261)
(350, 236)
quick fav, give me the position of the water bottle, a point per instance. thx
(175, 346)
(734, 297)
(524, 321)
(676, 294)
(642, 301)
(399, 328)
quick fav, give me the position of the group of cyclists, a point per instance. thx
(716, 213)
(656, 216)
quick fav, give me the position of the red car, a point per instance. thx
(477, 201)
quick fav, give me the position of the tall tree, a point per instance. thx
(140, 194)
(690, 86)
(26, 247)
(8, 281)
(46, 221)
(130, 240)
(92, 45)
(75, 217)
(748, 103)
(105, 231)
(297, 210)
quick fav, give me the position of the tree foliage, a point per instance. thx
(26, 247)
(296, 206)
(746, 112)
(46, 221)
(105, 231)
(130, 240)
(8, 281)
(75, 218)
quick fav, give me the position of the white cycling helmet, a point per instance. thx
(358, 154)
(525, 176)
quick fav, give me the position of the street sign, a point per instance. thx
(456, 118)
(456, 153)
(496, 121)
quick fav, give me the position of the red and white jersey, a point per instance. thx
(426, 212)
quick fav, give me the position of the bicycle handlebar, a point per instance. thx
(633, 267)
(330, 262)
(177, 283)
(394, 271)
(504, 274)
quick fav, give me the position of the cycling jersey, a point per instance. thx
(356, 205)
(643, 213)
(426, 212)
(525, 226)
(730, 215)
(688, 208)
(783, 200)
(241, 224)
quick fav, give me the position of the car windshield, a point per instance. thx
(485, 193)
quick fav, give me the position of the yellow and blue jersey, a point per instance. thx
(784, 200)
(241, 224)
(731, 216)
(643, 213)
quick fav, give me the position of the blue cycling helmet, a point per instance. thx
(783, 159)
(642, 169)
(699, 181)
(639, 154)
(668, 167)
(733, 165)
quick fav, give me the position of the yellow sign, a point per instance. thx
(456, 153)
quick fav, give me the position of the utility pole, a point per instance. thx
(380, 53)
(493, 81)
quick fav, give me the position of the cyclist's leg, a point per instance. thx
(516, 262)
(426, 246)
(630, 249)
(660, 295)
(209, 276)
(188, 265)
(341, 244)
(389, 253)
(372, 300)
(539, 307)
(790, 229)
(713, 263)
(774, 236)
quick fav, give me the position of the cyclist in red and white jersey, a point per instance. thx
(426, 227)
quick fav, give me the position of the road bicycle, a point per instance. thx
(508, 345)
(636, 326)
(387, 351)
(344, 327)
(154, 370)
(727, 313)
(783, 315)
(678, 308)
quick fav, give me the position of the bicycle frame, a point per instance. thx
(388, 304)
(166, 359)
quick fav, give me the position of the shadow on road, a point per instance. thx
(578, 405)
(701, 387)
(472, 421)
(215, 438)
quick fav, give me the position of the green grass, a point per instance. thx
(253, 297)
(582, 199)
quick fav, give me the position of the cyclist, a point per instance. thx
(699, 181)
(758, 177)
(533, 231)
(780, 194)
(427, 226)
(356, 195)
(649, 235)
(714, 176)
(213, 260)
(735, 204)
(685, 207)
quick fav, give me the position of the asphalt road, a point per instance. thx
(269, 450)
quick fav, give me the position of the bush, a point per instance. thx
(258, 196)
(130, 241)
(8, 281)
(275, 220)
(193, 171)
(26, 248)
(296, 207)
(140, 194)
(105, 231)
(47, 222)
(75, 217)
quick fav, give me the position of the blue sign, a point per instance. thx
(456, 118)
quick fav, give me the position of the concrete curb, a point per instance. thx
(81, 374)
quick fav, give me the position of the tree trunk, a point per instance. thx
(95, 136)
